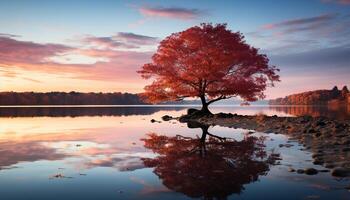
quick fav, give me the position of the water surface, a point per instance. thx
(117, 153)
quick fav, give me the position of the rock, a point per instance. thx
(318, 162)
(167, 118)
(311, 171)
(224, 115)
(291, 170)
(311, 130)
(194, 114)
(300, 171)
(346, 149)
(318, 134)
(341, 172)
(320, 123)
(324, 170)
(329, 165)
(286, 145)
(345, 142)
(191, 111)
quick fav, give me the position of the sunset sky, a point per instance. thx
(97, 46)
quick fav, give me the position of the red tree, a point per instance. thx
(209, 62)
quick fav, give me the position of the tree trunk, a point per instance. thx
(205, 105)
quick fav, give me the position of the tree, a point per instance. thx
(209, 62)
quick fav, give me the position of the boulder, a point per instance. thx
(311, 171)
(191, 111)
(341, 172)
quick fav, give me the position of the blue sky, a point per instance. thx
(55, 21)
(306, 39)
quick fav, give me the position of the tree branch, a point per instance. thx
(217, 99)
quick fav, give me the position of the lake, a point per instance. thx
(117, 153)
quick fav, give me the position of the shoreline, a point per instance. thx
(327, 139)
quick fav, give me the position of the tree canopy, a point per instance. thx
(209, 62)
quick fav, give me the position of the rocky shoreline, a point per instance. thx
(327, 139)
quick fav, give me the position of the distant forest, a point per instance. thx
(71, 98)
(79, 98)
(317, 97)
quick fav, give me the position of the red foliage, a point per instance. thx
(210, 62)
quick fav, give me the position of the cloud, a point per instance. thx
(15, 152)
(106, 42)
(342, 2)
(171, 12)
(310, 21)
(121, 40)
(122, 163)
(112, 58)
(8, 35)
(330, 57)
(12, 50)
(135, 38)
(303, 34)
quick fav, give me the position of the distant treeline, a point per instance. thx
(80, 111)
(317, 97)
(71, 98)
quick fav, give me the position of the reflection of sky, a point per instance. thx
(108, 151)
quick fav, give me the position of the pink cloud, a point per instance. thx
(117, 65)
(12, 50)
(171, 12)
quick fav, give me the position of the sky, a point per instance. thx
(97, 46)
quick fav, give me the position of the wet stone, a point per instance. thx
(341, 172)
(291, 170)
(311, 171)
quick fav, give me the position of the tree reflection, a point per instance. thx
(210, 167)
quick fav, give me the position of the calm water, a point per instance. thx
(117, 153)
